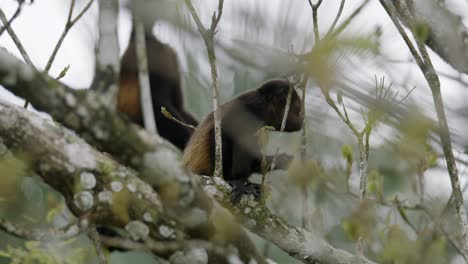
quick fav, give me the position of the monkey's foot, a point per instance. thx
(240, 188)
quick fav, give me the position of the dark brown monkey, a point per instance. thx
(241, 118)
(166, 90)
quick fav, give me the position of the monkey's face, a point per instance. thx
(276, 94)
(295, 117)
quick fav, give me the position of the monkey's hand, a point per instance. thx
(242, 187)
(283, 161)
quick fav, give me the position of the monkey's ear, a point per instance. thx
(275, 89)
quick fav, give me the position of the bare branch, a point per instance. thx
(315, 8)
(149, 120)
(337, 17)
(8, 23)
(304, 245)
(15, 39)
(433, 18)
(390, 9)
(84, 112)
(94, 236)
(348, 20)
(216, 18)
(68, 25)
(208, 38)
(427, 69)
(107, 55)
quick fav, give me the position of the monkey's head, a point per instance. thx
(275, 94)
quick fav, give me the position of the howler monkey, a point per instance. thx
(241, 118)
(164, 75)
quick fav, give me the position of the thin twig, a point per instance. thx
(169, 116)
(283, 122)
(149, 120)
(15, 15)
(305, 191)
(15, 39)
(94, 236)
(282, 127)
(359, 135)
(17, 42)
(348, 20)
(337, 17)
(424, 62)
(315, 8)
(208, 38)
(68, 25)
(391, 13)
(449, 238)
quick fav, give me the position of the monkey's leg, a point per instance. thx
(283, 161)
(241, 169)
(242, 187)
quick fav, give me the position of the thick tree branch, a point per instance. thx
(96, 188)
(165, 248)
(68, 232)
(160, 165)
(300, 243)
(78, 171)
(159, 162)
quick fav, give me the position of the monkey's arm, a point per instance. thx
(283, 161)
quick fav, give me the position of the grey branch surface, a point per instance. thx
(95, 187)
(89, 180)
(298, 242)
(159, 162)
(447, 35)
(107, 55)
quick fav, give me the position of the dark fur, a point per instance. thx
(241, 118)
(165, 90)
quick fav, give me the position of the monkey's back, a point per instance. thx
(128, 97)
(198, 152)
(163, 69)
